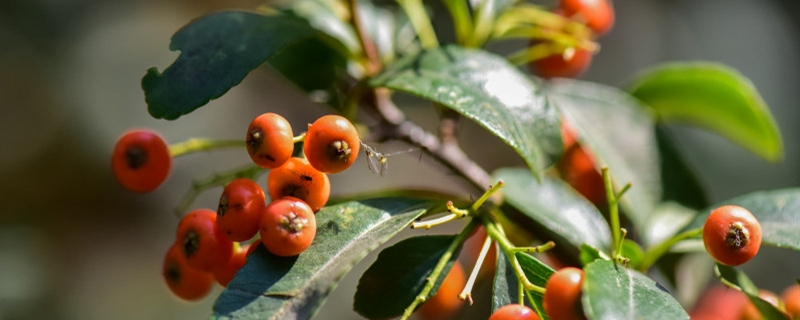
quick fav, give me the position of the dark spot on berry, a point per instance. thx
(266, 156)
(223, 205)
(191, 243)
(738, 236)
(254, 139)
(294, 190)
(135, 157)
(173, 273)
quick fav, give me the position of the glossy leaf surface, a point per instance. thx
(488, 90)
(715, 97)
(616, 292)
(620, 133)
(217, 52)
(556, 206)
(399, 274)
(271, 287)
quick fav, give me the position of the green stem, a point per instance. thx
(492, 189)
(250, 171)
(197, 144)
(437, 270)
(653, 254)
(462, 20)
(613, 212)
(421, 22)
(508, 249)
(484, 21)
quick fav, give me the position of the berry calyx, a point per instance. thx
(562, 296)
(240, 207)
(514, 312)
(184, 281)
(288, 227)
(732, 235)
(297, 178)
(598, 14)
(202, 244)
(269, 140)
(331, 144)
(141, 161)
(445, 303)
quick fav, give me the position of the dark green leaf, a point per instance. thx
(217, 52)
(271, 287)
(715, 97)
(777, 211)
(747, 286)
(311, 64)
(506, 285)
(392, 283)
(679, 181)
(615, 292)
(632, 251)
(620, 133)
(589, 254)
(487, 89)
(556, 206)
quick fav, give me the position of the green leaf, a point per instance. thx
(739, 279)
(589, 254)
(632, 251)
(311, 64)
(714, 97)
(679, 181)
(392, 283)
(620, 134)
(506, 285)
(615, 292)
(556, 206)
(271, 287)
(487, 89)
(777, 211)
(217, 52)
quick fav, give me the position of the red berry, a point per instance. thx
(577, 168)
(562, 296)
(748, 310)
(203, 245)
(556, 66)
(296, 178)
(225, 273)
(514, 312)
(269, 140)
(732, 235)
(288, 227)
(240, 207)
(720, 303)
(331, 144)
(141, 161)
(791, 300)
(445, 303)
(598, 14)
(184, 281)
(568, 135)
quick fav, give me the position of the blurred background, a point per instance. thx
(75, 245)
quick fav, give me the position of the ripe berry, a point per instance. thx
(225, 273)
(556, 66)
(445, 303)
(791, 300)
(578, 170)
(748, 311)
(562, 296)
(240, 207)
(331, 144)
(598, 14)
(288, 227)
(184, 281)
(732, 235)
(514, 312)
(296, 178)
(568, 135)
(718, 302)
(269, 140)
(141, 160)
(255, 244)
(203, 245)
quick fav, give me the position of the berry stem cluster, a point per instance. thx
(193, 145)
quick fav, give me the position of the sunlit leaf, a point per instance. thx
(271, 287)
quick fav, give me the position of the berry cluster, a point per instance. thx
(212, 246)
(597, 15)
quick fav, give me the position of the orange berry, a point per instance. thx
(748, 310)
(556, 66)
(562, 296)
(269, 140)
(297, 178)
(184, 281)
(141, 161)
(331, 144)
(732, 235)
(225, 273)
(240, 207)
(288, 227)
(791, 300)
(203, 245)
(445, 303)
(514, 312)
(578, 170)
(598, 14)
